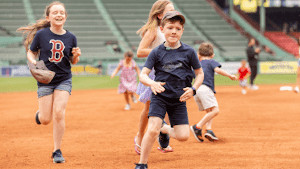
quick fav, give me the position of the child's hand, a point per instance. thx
(157, 87)
(233, 77)
(187, 94)
(76, 52)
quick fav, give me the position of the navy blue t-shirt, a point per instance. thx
(55, 51)
(173, 67)
(208, 67)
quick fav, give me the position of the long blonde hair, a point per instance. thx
(153, 21)
(29, 31)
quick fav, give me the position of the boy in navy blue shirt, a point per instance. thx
(175, 65)
(205, 96)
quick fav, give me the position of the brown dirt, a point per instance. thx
(258, 130)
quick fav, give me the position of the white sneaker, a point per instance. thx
(127, 107)
(296, 89)
(254, 87)
(244, 91)
(134, 99)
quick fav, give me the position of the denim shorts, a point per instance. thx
(48, 90)
(176, 110)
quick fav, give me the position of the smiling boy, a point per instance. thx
(175, 65)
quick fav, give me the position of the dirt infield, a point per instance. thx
(257, 130)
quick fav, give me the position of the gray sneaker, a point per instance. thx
(210, 135)
(57, 157)
(197, 133)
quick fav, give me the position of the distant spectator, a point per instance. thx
(253, 57)
(296, 89)
(99, 66)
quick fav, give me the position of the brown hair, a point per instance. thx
(172, 20)
(206, 49)
(129, 54)
(153, 21)
(29, 31)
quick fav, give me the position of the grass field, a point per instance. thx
(19, 84)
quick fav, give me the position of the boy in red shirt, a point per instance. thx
(244, 73)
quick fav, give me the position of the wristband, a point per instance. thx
(194, 91)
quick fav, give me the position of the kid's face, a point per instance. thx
(57, 15)
(172, 31)
(169, 7)
(128, 58)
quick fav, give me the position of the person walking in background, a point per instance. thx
(205, 95)
(244, 73)
(151, 38)
(128, 82)
(253, 57)
(175, 65)
(56, 47)
(296, 89)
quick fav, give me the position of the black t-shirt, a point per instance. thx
(55, 51)
(252, 55)
(175, 67)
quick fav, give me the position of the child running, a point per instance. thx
(128, 82)
(244, 73)
(151, 38)
(173, 62)
(205, 97)
(57, 48)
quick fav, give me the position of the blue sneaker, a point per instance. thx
(210, 135)
(141, 166)
(197, 133)
(57, 157)
(37, 120)
(163, 140)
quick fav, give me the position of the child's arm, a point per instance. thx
(31, 56)
(76, 53)
(115, 71)
(224, 73)
(156, 87)
(188, 90)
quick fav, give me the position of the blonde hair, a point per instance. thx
(206, 49)
(29, 31)
(153, 21)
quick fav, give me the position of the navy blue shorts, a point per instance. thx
(176, 110)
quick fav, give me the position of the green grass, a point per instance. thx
(21, 84)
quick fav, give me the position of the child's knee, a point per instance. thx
(183, 137)
(153, 132)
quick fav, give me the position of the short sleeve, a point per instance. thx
(215, 64)
(35, 44)
(195, 63)
(150, 60)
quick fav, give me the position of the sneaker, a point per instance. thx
(141, 166)
(163, 140)
(254, 87)
(244, 91)
(296, 89)
(210, 135)
(197, 133)
(127, 107)
(134, 99)
(37, 118)
(57, 157)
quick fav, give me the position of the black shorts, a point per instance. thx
(176, 110)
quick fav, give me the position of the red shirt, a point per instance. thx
(243, 71)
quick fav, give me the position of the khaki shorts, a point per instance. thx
(205, 98)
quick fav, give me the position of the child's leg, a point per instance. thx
(210, 114)
(154, 126)
(178, 132)
(45, 109)
(61, 98)
(126, 95)
(143, 122)
(209, 124)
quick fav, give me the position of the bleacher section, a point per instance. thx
(284, 42)
(85, 21)
(223, 35)
(130, 15)
(12, 16)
